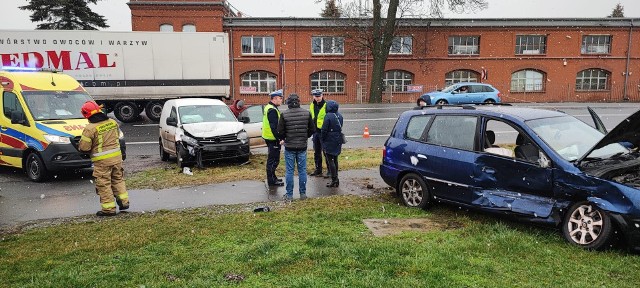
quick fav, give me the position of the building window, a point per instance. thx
(458, 76)
(328, 81)
(397, 80)
(166, 28)
(464, 45)
(592, 80)
(258, 45)
(401, 45)
(188, 28)
(596, 44)
(257, 82)
(531, 44)
(527, 81)
(327, 45)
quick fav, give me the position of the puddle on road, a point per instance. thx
(384, 227)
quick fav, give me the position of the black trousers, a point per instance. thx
(273, 160)
(332, 166)
(317, 152)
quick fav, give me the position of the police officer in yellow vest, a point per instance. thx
(100, 138)
(318, 110)
(270, 117)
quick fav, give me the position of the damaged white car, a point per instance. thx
(196, 130)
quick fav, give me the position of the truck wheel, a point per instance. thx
(126, 112)
(153, 110)
(35, 169)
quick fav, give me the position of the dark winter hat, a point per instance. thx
(293, 98)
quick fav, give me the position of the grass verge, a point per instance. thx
(315, 243)
(172, 176)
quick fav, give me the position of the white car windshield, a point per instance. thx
(205, 113)
(572, 138)
(55, 105)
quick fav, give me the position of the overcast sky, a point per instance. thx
(118, 14)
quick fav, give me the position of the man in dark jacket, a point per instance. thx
(295, 127)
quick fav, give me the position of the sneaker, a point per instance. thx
(303, 196)
(287, 197)
(105, 214)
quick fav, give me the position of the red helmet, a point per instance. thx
(89, 108)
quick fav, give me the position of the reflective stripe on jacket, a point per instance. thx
(101, 140)
(266, 128)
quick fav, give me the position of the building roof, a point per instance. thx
(435, 22)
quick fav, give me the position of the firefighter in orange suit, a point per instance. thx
(100, 138)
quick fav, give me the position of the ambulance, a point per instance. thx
(41, 123)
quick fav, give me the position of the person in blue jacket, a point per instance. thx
(331, 135)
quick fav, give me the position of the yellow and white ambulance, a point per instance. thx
(40, 122)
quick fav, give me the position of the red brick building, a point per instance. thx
(528, 60)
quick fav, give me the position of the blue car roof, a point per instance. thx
(520, 113)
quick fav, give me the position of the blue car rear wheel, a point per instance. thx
(413, 191)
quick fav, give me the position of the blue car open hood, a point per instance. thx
(627, 131)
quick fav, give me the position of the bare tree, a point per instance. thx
(376, 26)
(618, 11)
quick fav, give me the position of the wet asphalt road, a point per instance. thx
(16, 189)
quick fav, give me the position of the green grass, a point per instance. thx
(158, 178)
(314, 243)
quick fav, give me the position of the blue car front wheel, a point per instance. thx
(587, 226)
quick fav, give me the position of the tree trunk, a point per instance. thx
(383, 33)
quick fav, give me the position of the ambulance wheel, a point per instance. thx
(35, 169)
(153, 110)
(126, 112)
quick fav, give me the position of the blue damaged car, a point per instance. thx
(538, 165)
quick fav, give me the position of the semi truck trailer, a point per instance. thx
(127, 72)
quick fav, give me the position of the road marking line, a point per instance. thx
(144, 125)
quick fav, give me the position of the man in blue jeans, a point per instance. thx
(295, 127)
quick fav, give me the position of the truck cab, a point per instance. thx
(41, 123)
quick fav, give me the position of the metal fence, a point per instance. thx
(355, 93)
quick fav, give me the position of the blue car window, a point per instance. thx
(453, 131)
(416, 126)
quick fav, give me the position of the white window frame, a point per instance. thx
(166, 27)
(596, 44)
(264, 81)
(464, 45)
(267, 42)
(188, 28)
(527, 80)
(336, 45)
(593, 79)
(394, 80)
(401, 45)
(531, 44)
(452, 77)
(329, 81)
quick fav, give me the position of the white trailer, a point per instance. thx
(127, 72)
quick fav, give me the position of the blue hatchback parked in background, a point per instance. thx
(462, 93)
(533, 164)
